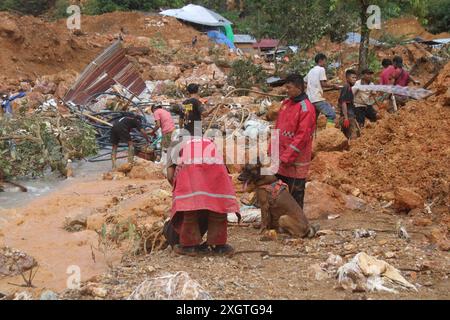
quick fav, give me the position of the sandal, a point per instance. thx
(225, 250)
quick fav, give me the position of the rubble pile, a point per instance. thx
(408, 150)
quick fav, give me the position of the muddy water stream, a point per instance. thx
(33, 222)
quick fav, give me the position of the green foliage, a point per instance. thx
(438, 16)
(245, 74)
(34, 7)
(391, 41)
(103, 6)
(46, 142)
(374, 63)
(299, 64)
(61, 8)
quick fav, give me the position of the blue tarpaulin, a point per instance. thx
(220, 38)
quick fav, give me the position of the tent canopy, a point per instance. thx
(197, 14)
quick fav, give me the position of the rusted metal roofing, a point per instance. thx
(108, 69)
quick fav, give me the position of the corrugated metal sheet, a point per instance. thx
(110, 68)
(244, 38)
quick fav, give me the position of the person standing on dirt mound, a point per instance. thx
(316, 80)
(347, 121)
(203, 195)
(296, 124)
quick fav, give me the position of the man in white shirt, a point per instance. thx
(316, 80)
(364, 100)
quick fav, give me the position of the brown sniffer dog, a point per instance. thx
(279, 210)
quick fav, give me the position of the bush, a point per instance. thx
(438, 16)
(245, 74)
(34, 7)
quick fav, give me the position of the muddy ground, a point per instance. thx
(38, 231)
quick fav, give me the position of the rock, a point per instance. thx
(9, 29)
(95, 221)
(114, 176)
(422, 222)
(334, 260)
(331, 139)
(389, 255)
(318, 273)
(100, 292)
(77, 221)
(349, 247)
(325, 165)
(35, 99)
(138, 51)
(45, 86)
(125, 168)
(14, 262)
(322, 199)
(23, 296)
(48, 295)
(178, 286)
(146, 170)
(144, 61)
(161, 72)
(406, 200)
(439, 236)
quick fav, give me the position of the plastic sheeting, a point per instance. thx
(220, 38)
(197, 14)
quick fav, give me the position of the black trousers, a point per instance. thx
(296, 188)
(362, 113)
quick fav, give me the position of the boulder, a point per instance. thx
(10, 29)
(322, 199)
(161, 72)
(406, 200)
(95, 222)
(330, 139)
(78, 220)
(14, 262)
(146, 170)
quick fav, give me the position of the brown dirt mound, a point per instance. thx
(409, 149)
(407, 26)
(32, 47)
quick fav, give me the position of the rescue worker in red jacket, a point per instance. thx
(203, 195)
(296, 124)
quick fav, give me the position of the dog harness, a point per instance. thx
(275, 188)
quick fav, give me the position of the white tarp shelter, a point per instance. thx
(197, 14)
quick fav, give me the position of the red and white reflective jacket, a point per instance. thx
(201, 180)
(296, 124)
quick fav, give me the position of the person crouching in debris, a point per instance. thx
(120, 132)
(203, 195)
(348, 123)
(364, 100)
(296, 124)
(164, 121)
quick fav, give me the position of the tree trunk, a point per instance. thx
(365, 37)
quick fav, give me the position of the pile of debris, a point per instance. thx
(31, 145)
